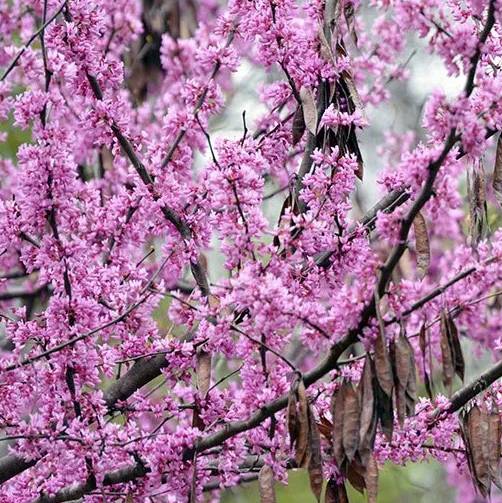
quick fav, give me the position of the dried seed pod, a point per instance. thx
(315, 457)
(266, 485)
(368, 419)
(351, 422)
(309, 109)
(422, 246)
(301, 455)
(336, 493)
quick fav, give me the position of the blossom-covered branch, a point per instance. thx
(458, 400)
(188, 303)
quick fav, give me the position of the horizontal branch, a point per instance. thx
(142, 372)
(77, 491)
(458, 400)
(463, 395)
(12, 465)
(16, 274)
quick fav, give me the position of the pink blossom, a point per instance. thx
(168, 276)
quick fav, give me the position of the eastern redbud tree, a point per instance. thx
(335, 338)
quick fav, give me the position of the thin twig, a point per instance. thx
(74, 340)
(14, 62)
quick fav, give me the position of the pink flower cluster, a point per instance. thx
(155, 306)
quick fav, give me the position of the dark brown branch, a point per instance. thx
(425, 194)
(490, 21)
(458, 400)
(330, 362)
(181, 226)
(28, 239)
(275, 192)
(387, 204)
(76, 491)
(12, 465)
(144, 295)
(243, 479)
(141, 373)
(48, 73)
(268, 410)
(305, 166)
(433, 294)
(16, 274)
(463, 395)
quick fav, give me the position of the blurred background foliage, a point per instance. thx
(418, 483)
(15, 138)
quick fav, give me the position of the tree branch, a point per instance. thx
(74, 340)
(433, 294)
(490, 21)
(142, 372)
(30, 40)
(330, 362)
(198, 106)
(387, 204)
(144, 295)
(463, 395)
(12, 465)
(458, 400)
(181, 226)
(76, 491)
